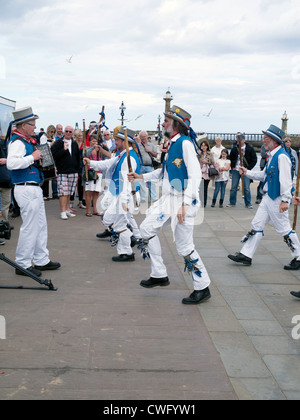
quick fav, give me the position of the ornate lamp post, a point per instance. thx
(168, 98)
(284, 120)
(158, 127)
(122, 109)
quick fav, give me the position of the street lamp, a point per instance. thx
(158, 126)
(122, 109)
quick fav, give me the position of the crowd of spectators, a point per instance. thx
(68, 149)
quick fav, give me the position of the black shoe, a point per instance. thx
(296, 294)
(50, 266)
(293, 265)
(240, 258)
(31, 269)
(104, 235)
(124, 257)
(153, 282)
(197, 296)
(134, 241)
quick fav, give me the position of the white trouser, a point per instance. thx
(32, 243)
(183, 235)
(268, 211)
(118, 218)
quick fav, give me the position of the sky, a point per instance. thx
(236, 58)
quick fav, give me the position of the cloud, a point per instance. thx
(232, 55)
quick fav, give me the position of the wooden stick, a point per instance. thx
(129, 166)
(241, 160)
(99, 139)
(296, 194)
(84, 152)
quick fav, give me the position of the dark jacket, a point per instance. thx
(64, 162)
(5, 179)
(249, 159)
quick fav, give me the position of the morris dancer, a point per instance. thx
(178, 205)
(22, 162)
(119, 199)
(277, 189)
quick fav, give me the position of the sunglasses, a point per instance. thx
(67, 131)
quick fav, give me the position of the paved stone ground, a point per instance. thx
(102, 336)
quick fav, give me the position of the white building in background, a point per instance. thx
(6, 108)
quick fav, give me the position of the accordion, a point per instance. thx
(47, 162)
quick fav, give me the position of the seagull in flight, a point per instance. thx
(69, 59)
(207, 115)
(139, 116)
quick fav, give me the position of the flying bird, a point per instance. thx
(139, 116)
(207, 115)
(69, 59)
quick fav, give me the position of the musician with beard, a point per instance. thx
(27, 178)
(178, 206)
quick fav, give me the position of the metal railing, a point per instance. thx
(232, 136)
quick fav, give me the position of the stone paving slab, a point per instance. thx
(256, 344)
(102, 336)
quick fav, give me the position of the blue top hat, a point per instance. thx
(275, 133)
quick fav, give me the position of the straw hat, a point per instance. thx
(119, 131)
(23, 115)
(180, 115)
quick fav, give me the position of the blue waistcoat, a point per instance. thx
(272, 178)
(175, 166)
(29, 174)
(117, 181)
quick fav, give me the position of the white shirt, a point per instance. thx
(285, 179)
(216, 152)
(43, 139)
(224, 175)
(16, 158)
(112, 163)
(194, 174)
(69, 142)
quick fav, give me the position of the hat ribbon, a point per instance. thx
(183, 119)
(8, 134)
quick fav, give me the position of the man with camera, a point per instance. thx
(22, 161)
